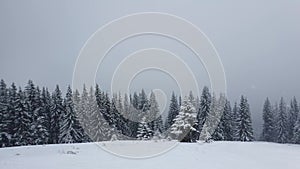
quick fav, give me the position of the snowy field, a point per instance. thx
(216, 155)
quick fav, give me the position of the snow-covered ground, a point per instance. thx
(216, 155)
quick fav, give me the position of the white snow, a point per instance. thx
(216, 155)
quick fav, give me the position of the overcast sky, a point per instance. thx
(258, 42)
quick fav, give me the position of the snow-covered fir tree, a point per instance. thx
(69, 127)
(119, 103)
(57, 110)
(219, 133)
(33, 107)
(11, 127)
(143, 101)
(205, 105)
(119, 122)
(296, 134)
(106, 106)
(128, 114)
(134, 117)
(78, 113)
(4, 116)
(293, 114)
(282, 129)
(126, 109)
(268, 133)
(93, 129)
(23, 121)
(193, 135)
(83, 114)
(46, 111)
(191, 98)
(179, 101)
(235, 121)
(244, 126)
(197, 103)
(135, 100)
(224, 130)
(228, 122)
(41, 131)
(155, 117)
(213, 123)
(184, 121)
(173, 111)
(144, 132)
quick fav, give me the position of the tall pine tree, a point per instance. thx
(184, 121)
(57, 109)
(245, 130)
(282, 129)
(292, 118)
(268, 133)
(69, 126)
(204, 110)
(173, 111)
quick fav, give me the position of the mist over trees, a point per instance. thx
(36, 116)
(281, 122)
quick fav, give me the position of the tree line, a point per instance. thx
(33, 116)
(281, 122)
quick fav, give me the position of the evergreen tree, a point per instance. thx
(144, 132)
(143, 101)
(205, 105)
(197, 103)
(296, 134)
(4, 115)
(78, 113)
(173, 111)
(108, 116)
(9, 124)
(193, 135)
(282, 130)
(32, 106)
(214, 125)
(40, 131)
(69, 127)
(57, 109)
(184, 121)
(101, 130)
(227, 120)
(292, 118)
(191, 99)
(156, 119)
(245, 130)
(22, 134)
(135, 100)
(268, 133)
(179, 101)
(46, 113)
(133, 116)
(126, 104)
(84, 114)
(119, 103)
(219, 133)
(235, 122)
(119, 122)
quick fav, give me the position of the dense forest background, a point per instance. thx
(34, 115)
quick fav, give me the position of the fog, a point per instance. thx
(258, 44)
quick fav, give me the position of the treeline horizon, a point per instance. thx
(34, 116)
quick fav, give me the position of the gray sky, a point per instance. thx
(258, 42)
